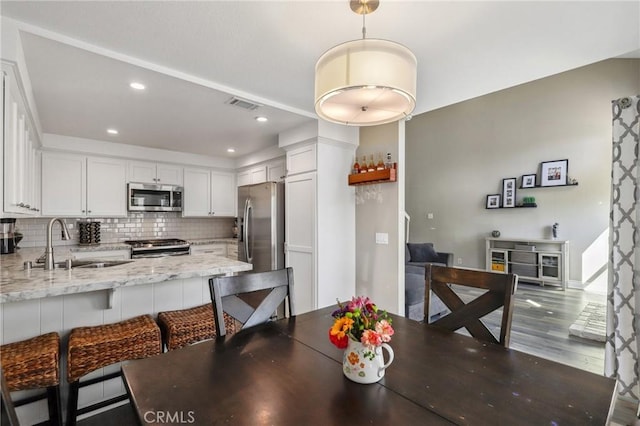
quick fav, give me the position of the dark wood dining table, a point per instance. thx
(288, 373)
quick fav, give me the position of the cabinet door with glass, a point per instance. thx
(497, 261)
(550, 266)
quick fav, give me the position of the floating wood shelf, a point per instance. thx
(379, 176)
(550, 186)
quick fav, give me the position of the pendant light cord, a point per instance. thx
(364, 28)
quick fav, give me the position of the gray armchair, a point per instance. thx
(417, 255)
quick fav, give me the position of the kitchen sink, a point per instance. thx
(93, 263)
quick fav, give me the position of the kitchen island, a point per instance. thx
(36, 301)
(17, 284)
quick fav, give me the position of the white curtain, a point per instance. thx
(623, 296)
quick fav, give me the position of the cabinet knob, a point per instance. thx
(27, 206)
(83, 211)
(88, 211)
(20, 204)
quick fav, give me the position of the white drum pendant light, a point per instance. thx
(365, 82)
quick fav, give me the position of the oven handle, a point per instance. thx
(151, 255)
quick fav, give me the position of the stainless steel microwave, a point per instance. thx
(146, 197)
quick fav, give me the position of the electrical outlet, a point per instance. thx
(429, 215)
(459, 261)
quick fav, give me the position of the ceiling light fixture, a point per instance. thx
(262, 119)
(365, 82)
(137, 86)
(112, 131)
(231, 150)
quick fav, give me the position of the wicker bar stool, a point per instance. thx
(34, 364)
(186, 326)
(91, 348)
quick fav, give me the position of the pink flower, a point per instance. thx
(358, 303)
(371, 339)
(384, 329)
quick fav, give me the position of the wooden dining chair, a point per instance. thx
(500, 290)
(225, 290)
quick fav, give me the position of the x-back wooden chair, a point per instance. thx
(225, 291)
(500, 293)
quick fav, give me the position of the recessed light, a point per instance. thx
(261, 119)
(137, 86)
(112, 131)
(231, 150)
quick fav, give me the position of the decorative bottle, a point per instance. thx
(356, 167)
(371, 167)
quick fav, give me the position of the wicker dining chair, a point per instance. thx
(34, 364)
(91, 348)
(187, 326)
(498, 292)
(276, 287)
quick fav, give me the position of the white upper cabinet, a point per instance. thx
(196, 196)
(159, 173)
(79, 186)
(21, 186)
(254, 175)
(106, 187)
(301, 160)
(223, 194)
(208, 193)
(276, 172)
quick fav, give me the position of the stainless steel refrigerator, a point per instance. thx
(261, 225)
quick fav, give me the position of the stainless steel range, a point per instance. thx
(158, 248)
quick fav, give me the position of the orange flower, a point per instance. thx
(353, 358)
(341, 327)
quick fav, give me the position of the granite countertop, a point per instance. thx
(17, 284)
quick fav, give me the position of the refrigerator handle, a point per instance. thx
(247, 223)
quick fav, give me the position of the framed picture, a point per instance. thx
(493, 201)
(554, 173)
(528, 181)
(509, 192)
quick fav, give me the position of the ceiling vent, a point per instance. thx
(243, 103)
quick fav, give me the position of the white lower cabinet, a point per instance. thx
(533, 260)
(79, 186)
(208, 193)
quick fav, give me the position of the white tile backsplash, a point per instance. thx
(134, 227)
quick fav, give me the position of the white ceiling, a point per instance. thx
(194, 55)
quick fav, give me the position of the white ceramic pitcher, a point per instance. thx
(358, 366)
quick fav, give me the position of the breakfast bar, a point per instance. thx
(35, 301)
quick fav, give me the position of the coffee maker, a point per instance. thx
(7, 235)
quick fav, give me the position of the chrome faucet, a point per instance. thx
(48, 252)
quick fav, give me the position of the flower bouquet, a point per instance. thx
(360, 320)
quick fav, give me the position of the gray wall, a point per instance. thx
(457, 155)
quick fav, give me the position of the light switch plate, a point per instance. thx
(382, 238)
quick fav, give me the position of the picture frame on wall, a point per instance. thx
(554, 173)
(528, 181)
(493, 201)
(509, 192)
